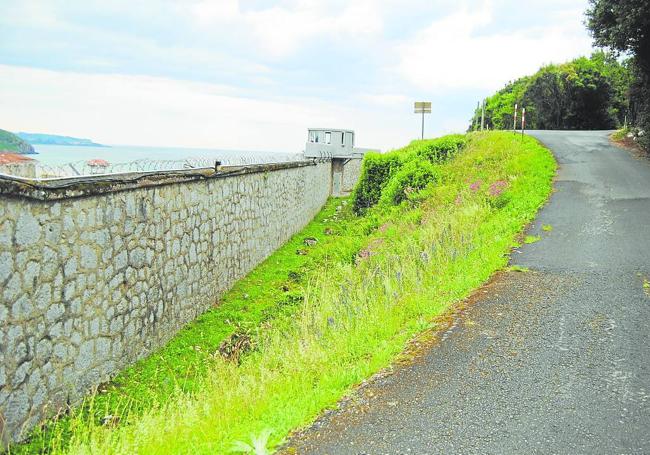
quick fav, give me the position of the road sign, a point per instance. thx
(422, 107)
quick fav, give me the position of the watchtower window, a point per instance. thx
(328, 137)
(342, 138)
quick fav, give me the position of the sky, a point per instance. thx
(255, 74)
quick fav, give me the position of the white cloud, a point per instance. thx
(30, 13)
(454, 53)
(208, 12)
(386, 99)
(141, 110)
(283, 29)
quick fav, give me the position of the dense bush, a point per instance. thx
(437, 150)
(414, 175)
(376, 171)
(388, 177)
(586, 93)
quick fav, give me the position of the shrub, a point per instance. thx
(413, 176)
(375, 173)
(440, 149)
(379, 169)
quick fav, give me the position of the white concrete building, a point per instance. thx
(331, 143)
(338, 145)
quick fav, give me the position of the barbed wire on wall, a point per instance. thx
(99, 166)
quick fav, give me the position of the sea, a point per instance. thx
(58, 155)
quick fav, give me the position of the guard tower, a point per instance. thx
(331, 143)
(338, 145)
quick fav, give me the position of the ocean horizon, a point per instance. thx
(58, 155)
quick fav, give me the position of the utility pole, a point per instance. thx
(483, 116)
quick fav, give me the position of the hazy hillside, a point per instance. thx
(53, 139)
(9, 142)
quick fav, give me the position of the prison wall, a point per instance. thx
(97, 272)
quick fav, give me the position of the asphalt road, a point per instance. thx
(556, 360)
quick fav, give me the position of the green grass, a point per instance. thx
(547, 228)
(322, 322)
(619, 135)
(532, 239)
(272, 288)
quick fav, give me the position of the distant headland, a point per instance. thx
(53, 139)
(10, 143)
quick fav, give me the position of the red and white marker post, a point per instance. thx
(514, 120)
(523, 120)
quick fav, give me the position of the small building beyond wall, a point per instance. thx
(17, 165)
(97, 272)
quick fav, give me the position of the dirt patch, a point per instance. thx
(629, 144)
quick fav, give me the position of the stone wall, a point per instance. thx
(351, 174)
(95, 273)
(345, 174)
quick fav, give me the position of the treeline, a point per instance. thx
(623, 26)
(584, 94)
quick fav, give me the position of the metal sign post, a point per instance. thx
(483, 116)
(422, 107)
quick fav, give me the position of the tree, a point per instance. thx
(586, 93)
(624, 26)
(547, 92)
(591, 96)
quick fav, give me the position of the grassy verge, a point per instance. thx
(319, 323)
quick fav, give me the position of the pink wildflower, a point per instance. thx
(475, 186)
(497, 188)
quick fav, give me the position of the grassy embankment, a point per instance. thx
(319, 323)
